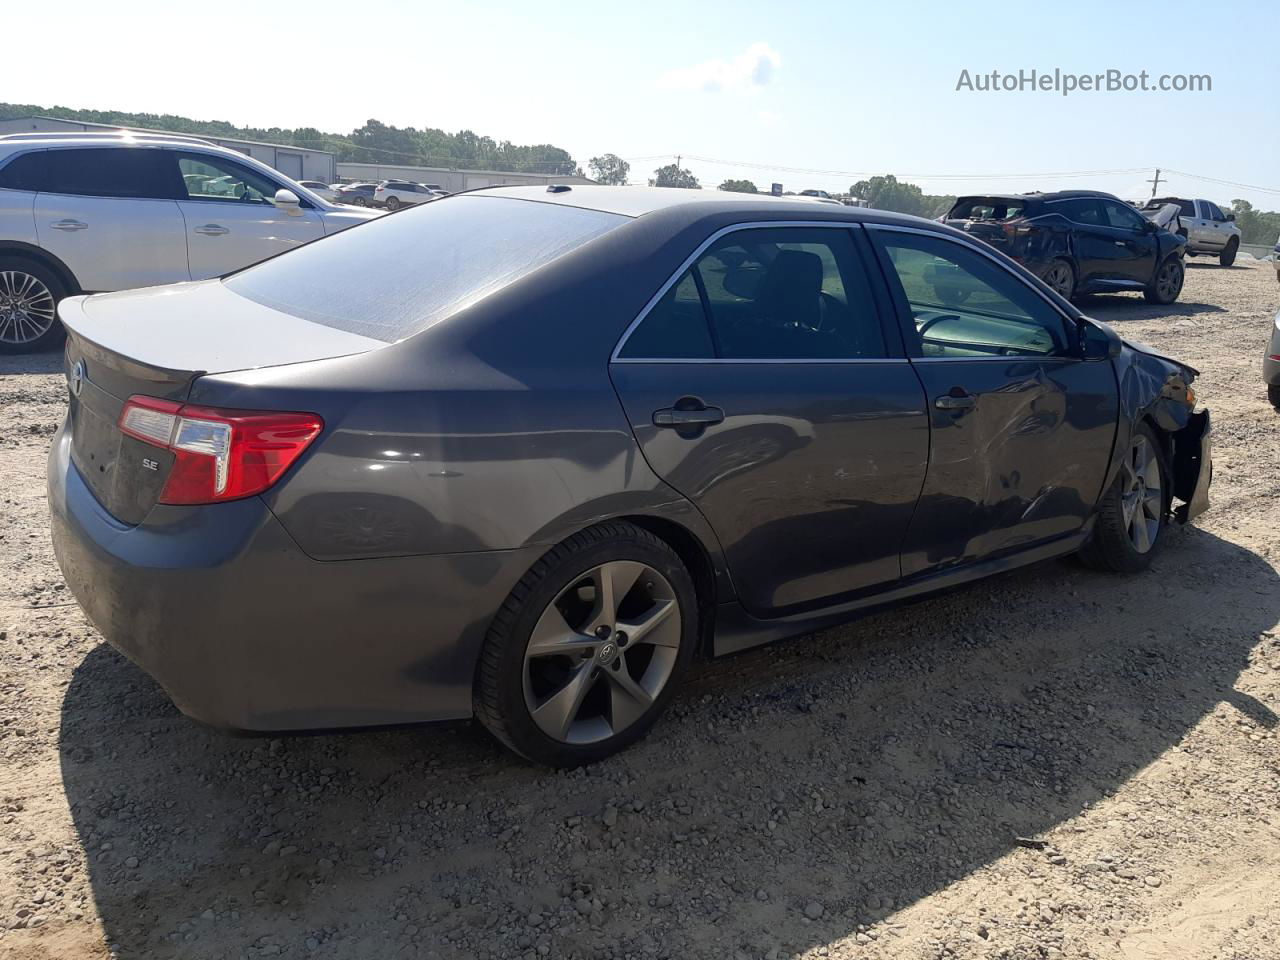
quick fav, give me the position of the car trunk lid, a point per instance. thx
(157, 343)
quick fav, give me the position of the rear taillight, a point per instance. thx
(219, 454)
(1015, 228)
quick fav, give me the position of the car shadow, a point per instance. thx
(861, 769)
(20, 363)
(1118, 308)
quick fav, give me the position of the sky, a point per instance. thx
(773, 91)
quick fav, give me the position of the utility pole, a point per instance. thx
(1155, 184)
(677, 161)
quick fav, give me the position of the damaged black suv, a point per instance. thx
(1078, 241)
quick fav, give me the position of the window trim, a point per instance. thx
(848, 226)
(1070, 322)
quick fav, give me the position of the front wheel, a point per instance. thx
(1131, 517)
(29, 295)
(1228, 256)
(587, 649)
(1167, 283)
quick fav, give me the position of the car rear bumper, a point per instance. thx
(244, 631)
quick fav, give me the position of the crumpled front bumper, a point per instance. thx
(1193, 466)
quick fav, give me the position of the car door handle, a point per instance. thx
(212, 230)
(1120, 243)
(69, 225)
(677, 417)
(953, 401)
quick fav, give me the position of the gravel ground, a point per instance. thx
(1052, 763)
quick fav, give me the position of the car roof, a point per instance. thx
(641, 201)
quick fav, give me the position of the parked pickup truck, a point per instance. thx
(1208, 230)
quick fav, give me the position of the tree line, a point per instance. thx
(374, 142)
(377, 142)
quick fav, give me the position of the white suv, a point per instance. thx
(394, 194)
(85, 212)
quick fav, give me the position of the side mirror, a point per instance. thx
(1230, 217)
(1149, 226)
(287, 201)
(1098, 341)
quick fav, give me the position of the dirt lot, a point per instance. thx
(857, 793)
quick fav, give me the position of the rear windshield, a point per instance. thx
(986, 208)
(395, 276)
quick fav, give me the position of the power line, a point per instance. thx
(1061, 174)
(914, 176)
(1225, 183)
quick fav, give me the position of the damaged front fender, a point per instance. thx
(1157, 389)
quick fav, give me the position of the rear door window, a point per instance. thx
(1084, 210)
(130, 172)
(393, 277)
(793, 293)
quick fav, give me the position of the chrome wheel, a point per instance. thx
(27, 307)
(1060, 279)
(1142, 498)
(602, 652)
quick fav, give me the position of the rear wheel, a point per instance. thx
(29, 295)
(1273, 394)
(1228, 255)
(1167, 283)
(1131, 517)
(1061, 278)
(588, 648)
(393, 203)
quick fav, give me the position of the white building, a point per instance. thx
(295, 162)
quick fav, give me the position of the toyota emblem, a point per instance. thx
(77, 378)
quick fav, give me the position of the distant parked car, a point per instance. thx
(357, 194)
(394, 194)
(1208, 230)
(90, 212)
(1275, 260)
(1078, 241)
(321, 189)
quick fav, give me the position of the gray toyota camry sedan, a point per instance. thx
(522, 454)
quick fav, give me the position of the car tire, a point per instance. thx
(29, 296)
(1060, 276)
(359, 201)
(393, 204)
(1273, 394)
(1130, 520)
(1166, 285)
(1228, 255)
(559, 680)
